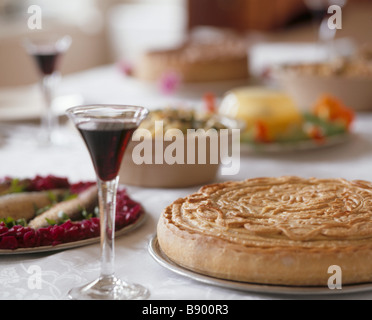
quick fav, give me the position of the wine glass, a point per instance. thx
(326, 36)
(47, 52)
(319, 10)
(107, 130)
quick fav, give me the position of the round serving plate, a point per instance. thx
(304, 145)
(75, 244)
(163, 260)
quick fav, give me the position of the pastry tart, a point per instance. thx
(280, 231)
(197, 62)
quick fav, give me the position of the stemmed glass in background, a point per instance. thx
(326, 36)
(47, 52)
(107, 131)
(319, 10)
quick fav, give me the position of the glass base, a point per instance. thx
(109, 288)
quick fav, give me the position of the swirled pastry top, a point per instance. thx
(288, 212)
(194, 61)
(200, 52)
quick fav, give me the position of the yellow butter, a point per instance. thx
(273, 108)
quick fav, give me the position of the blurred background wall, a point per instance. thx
(106, 31)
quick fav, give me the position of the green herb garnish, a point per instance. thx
(10, 222)
(16, 186)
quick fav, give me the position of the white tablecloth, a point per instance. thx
(60, 271)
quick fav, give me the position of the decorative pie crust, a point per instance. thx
(281, 231)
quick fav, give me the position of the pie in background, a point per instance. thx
(198, 60)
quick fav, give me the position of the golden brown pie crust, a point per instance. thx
(281, 231)
(197, 62)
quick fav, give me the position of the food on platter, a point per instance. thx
(13, 185)
(332, 110)
(71, 209)
(355, 66)
(340, 68)
(22, 205)
(272, 116)
(263, 110)
(167, 150)
(348, 79)
(224, 58)
(182, 119)
(69, 215)
(279, 231)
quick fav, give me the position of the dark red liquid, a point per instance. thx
(320, 13)
(106, 143)
(47, 62)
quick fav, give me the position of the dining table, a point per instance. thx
(60, 270)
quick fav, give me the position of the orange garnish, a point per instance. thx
(317, 135)
(332, 109)
(210, 102)
(261, 132)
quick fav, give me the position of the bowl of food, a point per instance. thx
(178, 148)
(348, 79)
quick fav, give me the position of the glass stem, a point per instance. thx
(48, 120)
(107, 207)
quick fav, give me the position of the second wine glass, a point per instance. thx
(47, 53)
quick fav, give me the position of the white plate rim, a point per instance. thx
(303, 145)
(159, 256)
(75, 244)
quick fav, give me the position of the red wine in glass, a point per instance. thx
(106, 131)
(319, 13)
(47, 62)
(47, 52)
(106, 142)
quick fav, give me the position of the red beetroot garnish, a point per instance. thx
(9, 242)
(48, 183)
(80, 187)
